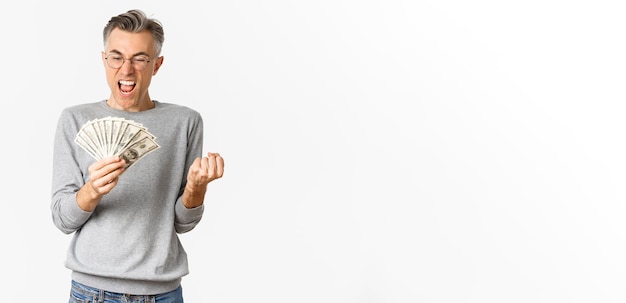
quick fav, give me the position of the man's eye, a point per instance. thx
(140, 60)
(115, 58)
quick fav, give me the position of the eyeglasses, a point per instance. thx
(138, 63)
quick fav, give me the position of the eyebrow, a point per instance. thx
(135, 55)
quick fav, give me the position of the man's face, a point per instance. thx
(129, 83)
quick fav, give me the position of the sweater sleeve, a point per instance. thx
(67, 177)
(186, 219)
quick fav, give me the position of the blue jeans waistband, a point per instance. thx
(84, 292)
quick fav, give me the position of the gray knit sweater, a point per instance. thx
(129, 243)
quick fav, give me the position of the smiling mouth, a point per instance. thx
(126, 86)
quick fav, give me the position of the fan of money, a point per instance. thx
(113, 136)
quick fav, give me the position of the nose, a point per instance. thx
(127, 68)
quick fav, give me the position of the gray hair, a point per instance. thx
(136, 21)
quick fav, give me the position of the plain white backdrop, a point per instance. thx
(376, 151)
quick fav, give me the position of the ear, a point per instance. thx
(104, 61)
(157, 64)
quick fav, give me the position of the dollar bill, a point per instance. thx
(114, 136)
(138, 150)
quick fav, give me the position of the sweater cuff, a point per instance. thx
(187, 217)
(76, 215)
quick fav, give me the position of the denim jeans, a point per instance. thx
(84, 294)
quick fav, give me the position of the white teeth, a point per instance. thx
(122, 82)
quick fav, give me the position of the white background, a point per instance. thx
(376, 150)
